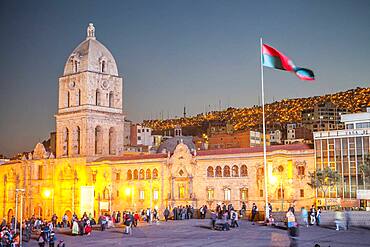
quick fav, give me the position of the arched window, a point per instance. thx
(98, 140)
(226, 171)
(129, 175)
(68, 99)
(218, 171)
(136, 174)
(111, 99)
(142, 174)
(301, 170)
(210, 172)
(112, 141)
(243, 171)
(235, 171)
(260, 173)
(103, 66)
(148, 174)
(97, 97)
(66, 141)
(78, 140)
(155, 173)
(280, 193)
(106, 194)
(78, 98)
(75, 66)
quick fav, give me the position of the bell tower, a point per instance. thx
(90, 120)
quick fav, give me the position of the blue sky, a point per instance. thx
(175, 53)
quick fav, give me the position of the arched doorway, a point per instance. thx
(37, 212)
(10, 215)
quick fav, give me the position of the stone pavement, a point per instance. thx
(198, 233)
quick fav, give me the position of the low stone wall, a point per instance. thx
(356, 218)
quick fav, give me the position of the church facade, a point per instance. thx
(90, 173)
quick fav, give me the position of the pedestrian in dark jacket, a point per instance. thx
(254, 212)
(166, 214)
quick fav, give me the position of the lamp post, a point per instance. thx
(16, 213)
(110, 197)
(281, 193)
(47, 193)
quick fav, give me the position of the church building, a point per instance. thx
(91, 173)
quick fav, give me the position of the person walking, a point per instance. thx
(347, 217)
(88, 228)
(318, 216)
(128, 223)
(292, 228)
(254, 212)
(234, 219)
(52, 239)
(213, 219)
(304, 215)
(136, 219)
(41, 239)
(312, 215)
(166, 213)
(65, 220)
(75, 228)
(339, 220)
(119, 217)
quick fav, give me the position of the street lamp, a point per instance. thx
(110, 197)
(16, 213)
(47, 193)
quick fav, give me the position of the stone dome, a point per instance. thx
(91, 55)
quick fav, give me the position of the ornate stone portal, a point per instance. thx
(182, 167)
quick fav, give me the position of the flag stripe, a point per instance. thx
(305, 74)
(286, 63)
(272, 62)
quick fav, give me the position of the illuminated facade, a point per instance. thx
(135, 182)
(90, 174)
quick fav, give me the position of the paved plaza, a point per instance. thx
(198, 233)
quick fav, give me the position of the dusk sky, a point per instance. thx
(175, 53)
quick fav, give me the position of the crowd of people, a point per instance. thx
(223, 217)
(183, 212)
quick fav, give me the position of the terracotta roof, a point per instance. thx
(289, 147)
(140, 156)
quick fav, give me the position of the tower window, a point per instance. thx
(111, 99)
(78, 140)
(103, 66)
(78, 97)
(68, 99)
(112, 141)
(66, 141)
(97, 97)
(98, 140)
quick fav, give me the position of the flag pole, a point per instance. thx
(264, 136)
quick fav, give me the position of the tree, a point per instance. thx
(365, 170)
(323, 179)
